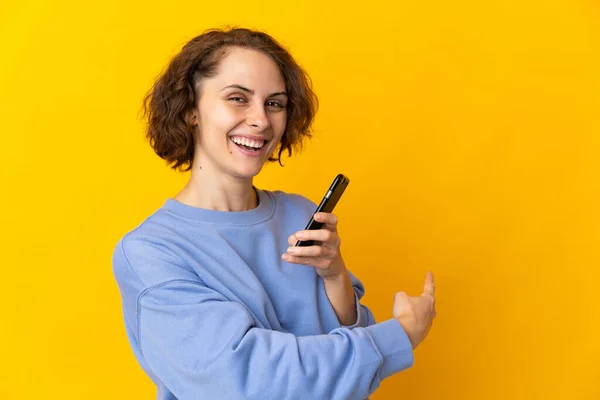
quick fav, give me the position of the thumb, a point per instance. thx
(429, 287)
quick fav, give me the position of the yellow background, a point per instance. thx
(469, 130)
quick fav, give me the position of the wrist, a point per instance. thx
(338, 277)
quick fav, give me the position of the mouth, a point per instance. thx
(248, 144)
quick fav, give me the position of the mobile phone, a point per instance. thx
(327, 204)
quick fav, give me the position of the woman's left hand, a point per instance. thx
(325, 254)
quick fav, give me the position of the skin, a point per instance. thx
(222, 177)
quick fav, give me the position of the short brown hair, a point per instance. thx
(169, 103)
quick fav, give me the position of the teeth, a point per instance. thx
(247, 142)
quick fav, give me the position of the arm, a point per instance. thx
(345, 294)
(342, 298)
(343, 289)
(199, 343)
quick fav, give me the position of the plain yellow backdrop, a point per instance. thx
(469, 130)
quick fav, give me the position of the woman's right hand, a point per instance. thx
(416, 314)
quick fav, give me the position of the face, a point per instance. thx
(241, 115)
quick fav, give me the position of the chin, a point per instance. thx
(248, 173)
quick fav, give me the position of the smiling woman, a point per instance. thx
(215, 303)
(173, 101)
(254, 110)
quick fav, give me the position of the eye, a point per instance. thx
(275, 104)
(237, 99)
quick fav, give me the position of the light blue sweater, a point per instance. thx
(212, 312)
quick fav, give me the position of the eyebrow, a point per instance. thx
(245, 89)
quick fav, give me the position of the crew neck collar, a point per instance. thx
(265, 208)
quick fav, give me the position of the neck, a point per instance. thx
(220, 192)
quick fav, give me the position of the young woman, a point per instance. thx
(218, 303)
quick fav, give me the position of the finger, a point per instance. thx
(317, 262)
(311, 251)
(292, 239)
(329, 219)
(319, 235)
(429, 287)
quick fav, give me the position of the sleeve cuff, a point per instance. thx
(394, 346)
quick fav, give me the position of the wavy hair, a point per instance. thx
(169, 103)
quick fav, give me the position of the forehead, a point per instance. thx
(250, 68)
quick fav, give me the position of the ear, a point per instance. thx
(193, 118)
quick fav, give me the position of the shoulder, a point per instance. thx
(148, 255)
(293, 200)
(151, 235)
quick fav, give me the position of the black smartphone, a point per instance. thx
(327, 204)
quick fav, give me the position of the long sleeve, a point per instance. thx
(203, 346)
(211, 311)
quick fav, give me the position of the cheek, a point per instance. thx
(279, 123)
(221, 119)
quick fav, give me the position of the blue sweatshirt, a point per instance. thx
(212, 311)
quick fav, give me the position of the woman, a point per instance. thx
(218, 303)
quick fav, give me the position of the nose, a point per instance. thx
(257, 118)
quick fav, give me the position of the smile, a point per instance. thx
(247, 143)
